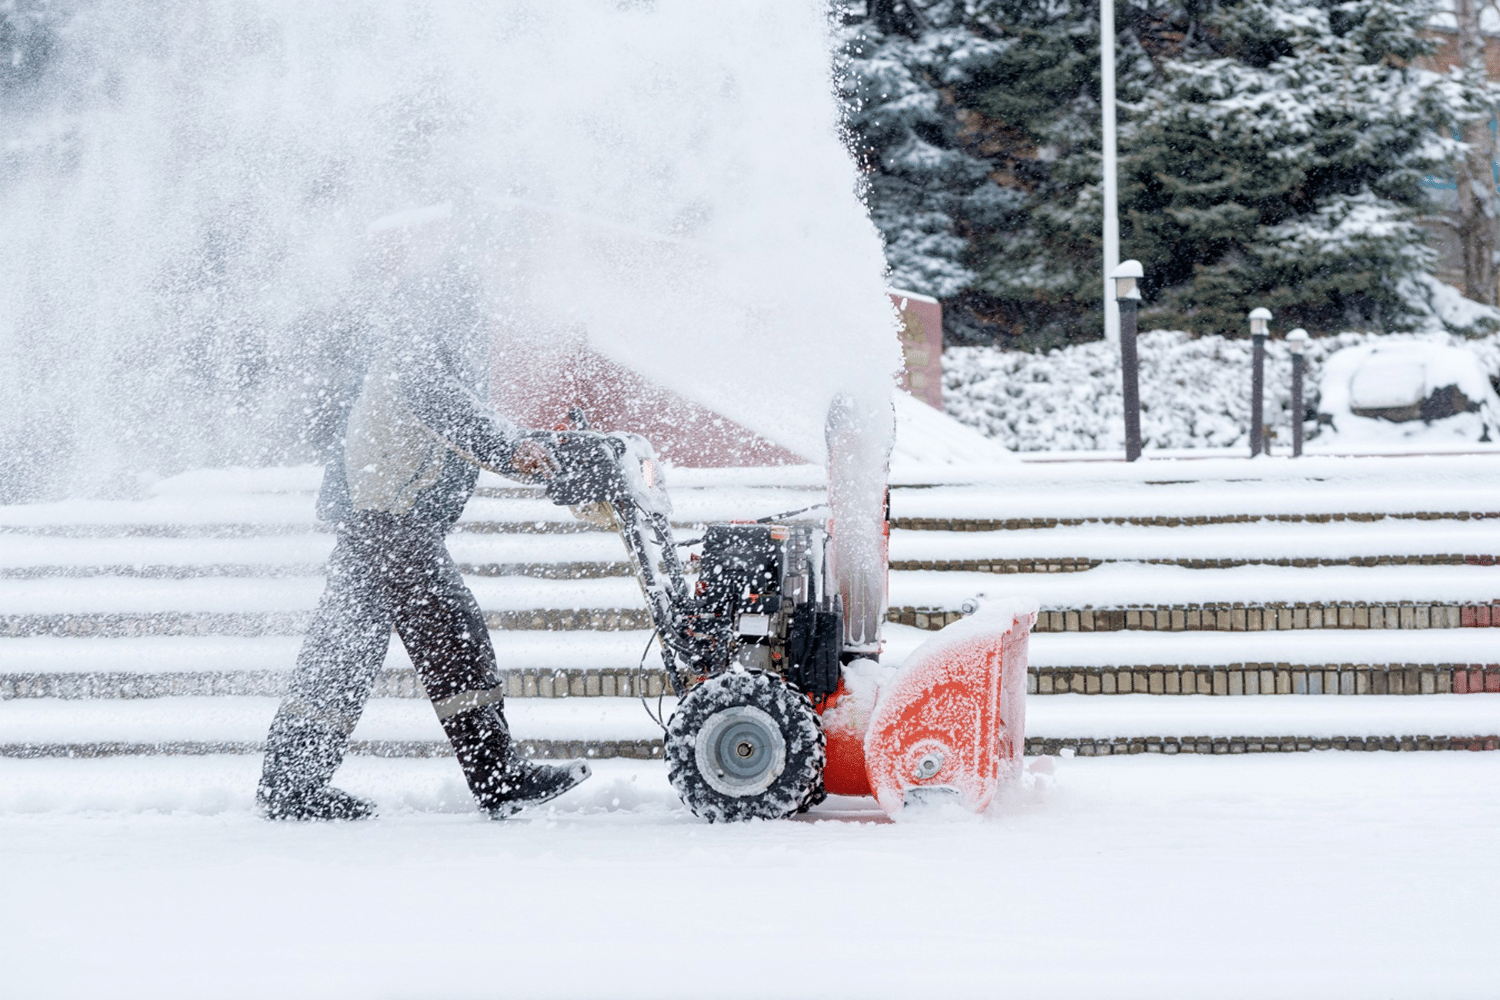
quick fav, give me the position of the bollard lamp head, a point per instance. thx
(1127, 280)
(1296, 341)
(1260, 321)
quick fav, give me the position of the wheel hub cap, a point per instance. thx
(741, 751)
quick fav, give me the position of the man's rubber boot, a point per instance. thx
(301, 757)
(532, 784)
(503, 783)
(324, 804)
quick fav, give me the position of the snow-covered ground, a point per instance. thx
(1312, 874)
(1308, 875)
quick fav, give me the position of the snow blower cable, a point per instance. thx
(772, 518)
(640, 686)
(768, 519)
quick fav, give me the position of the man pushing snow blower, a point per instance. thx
(771, 635)
(416, 438)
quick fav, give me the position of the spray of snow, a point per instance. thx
(186, 209)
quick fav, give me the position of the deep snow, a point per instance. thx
(1318, 875)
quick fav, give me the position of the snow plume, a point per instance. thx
(1195, 391)
(187, 275)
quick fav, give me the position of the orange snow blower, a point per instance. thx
(770, 637)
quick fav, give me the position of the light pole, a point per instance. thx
(1260, 320)
(1296, 342)
(1127, 279)
(1110, 159)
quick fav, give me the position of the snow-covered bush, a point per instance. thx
(1195, 392)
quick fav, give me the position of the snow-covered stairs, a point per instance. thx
(1372, 577)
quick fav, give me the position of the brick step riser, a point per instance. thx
(399, 683)
(289, 623)
(1232, 680)
(228, 530)
(1220, 745)
(612, 570)
(1207, 618)
(1269, 679)
(1220, 618)
(1081, 565)
(243, 530)
(1032, 523)
(1036, 746)
(541, 571)
(535, 749)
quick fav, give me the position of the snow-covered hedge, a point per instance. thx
(1195, 391)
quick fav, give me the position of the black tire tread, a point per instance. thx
(798, 786)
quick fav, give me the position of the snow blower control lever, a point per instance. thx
(774, 711)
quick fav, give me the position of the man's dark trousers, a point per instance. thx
(388, 570)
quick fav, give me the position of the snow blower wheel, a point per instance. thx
(745, 745)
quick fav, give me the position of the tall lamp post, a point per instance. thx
(1260, 325)
(1127, 278)
(1296, 342)
(1110, 159)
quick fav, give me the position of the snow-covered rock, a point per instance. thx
(1407, 391)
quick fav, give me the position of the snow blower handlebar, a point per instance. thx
(618, 472)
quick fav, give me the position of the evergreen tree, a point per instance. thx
(978, 127)
(1272, 154)
(1280, 162)
(1039, 278)
(902, 65)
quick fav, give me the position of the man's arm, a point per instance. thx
(456, 415)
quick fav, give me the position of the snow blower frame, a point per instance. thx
(776, 708)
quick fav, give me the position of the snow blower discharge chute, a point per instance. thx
(776, 708)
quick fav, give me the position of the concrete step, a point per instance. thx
(1115, 586)
(602, 570)
(610, 663)
(1127, 724)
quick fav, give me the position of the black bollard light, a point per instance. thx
(1296, 342)
(1128, 294)
(1260, 325)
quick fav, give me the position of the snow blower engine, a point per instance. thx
(775, 708)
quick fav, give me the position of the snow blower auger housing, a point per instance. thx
(753, 639)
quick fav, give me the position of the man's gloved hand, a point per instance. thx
(598, 513)
(533, 460)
